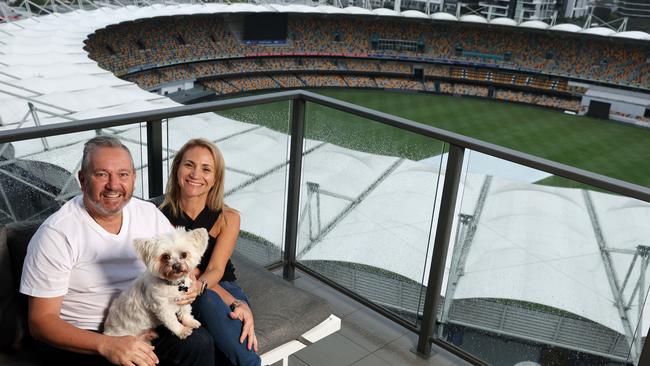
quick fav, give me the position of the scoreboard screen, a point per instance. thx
(265, 27)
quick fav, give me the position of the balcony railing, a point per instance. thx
(444, 234)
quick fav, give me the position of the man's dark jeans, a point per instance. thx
(195, 350)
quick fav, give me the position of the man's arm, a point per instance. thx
(46, 325)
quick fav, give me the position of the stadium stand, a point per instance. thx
(526, 67)
(206, 36)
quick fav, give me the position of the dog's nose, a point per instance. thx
(176, 267)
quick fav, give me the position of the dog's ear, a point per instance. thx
(144, 249)
(200, 237)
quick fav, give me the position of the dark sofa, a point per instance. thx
(282, 311)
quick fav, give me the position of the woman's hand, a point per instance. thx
(243, 312)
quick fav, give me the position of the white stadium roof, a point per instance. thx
(599, 31)
(443, 16)
(328, 9)
(566, 27)
(536, 24)
(526, 232)
(473, 18)
(358, 11)
(386, 12)
(504, 21)
(633, 35)
(414, 14)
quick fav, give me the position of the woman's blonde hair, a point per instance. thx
(214, 200)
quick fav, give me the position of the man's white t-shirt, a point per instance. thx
(72, 256)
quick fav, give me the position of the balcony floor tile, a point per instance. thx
(367, 329)
(332, 350)
(371, 360)
(365, 338)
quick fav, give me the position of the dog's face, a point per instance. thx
(174, 255)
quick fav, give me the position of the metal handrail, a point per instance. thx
(138, 117)
(583, 176)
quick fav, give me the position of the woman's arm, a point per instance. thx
(227, 231)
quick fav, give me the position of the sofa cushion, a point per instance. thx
(18, 236)
(282, 311)
(14, 239)
(8, 301)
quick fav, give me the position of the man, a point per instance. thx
(82, 257)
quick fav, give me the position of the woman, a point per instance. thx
(193, 199)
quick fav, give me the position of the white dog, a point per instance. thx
(150, 301)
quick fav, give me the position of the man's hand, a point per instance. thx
(128, 351)
(46, 325)
(244, 313)
(148, 335)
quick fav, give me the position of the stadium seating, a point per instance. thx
(338, 52)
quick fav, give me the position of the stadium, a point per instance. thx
(514, 222)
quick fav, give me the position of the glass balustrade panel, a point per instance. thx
(37, 176)
(134, 137)
(543, 269)
(367, 199)
(254, 145)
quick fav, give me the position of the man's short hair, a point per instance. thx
(101, 141)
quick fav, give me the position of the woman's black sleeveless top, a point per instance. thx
(205, 219)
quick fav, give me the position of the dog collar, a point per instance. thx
(181, 285)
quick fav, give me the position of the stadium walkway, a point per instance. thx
(365, 339)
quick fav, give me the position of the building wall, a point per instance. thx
(634, 8)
